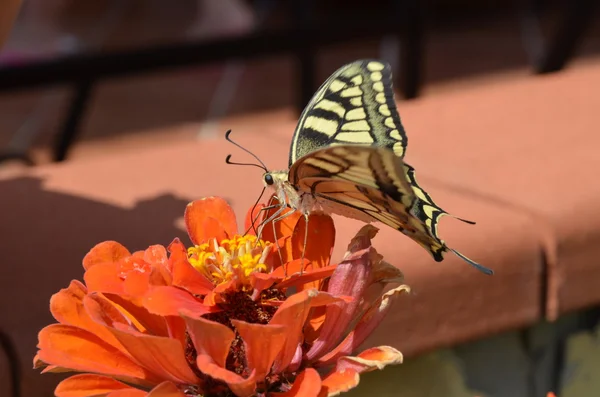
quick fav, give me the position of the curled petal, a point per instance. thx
(362, 239)
(371, 359)
(209, 217)
(262, 344)
(105, 252)
(84, 385)
(345, 375)
(308, 383)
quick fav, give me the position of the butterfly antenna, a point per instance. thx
(228, 159)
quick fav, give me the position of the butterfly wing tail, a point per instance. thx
(471, 262)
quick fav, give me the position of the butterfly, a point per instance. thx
(346, 158)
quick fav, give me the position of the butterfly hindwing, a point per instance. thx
(354, 106)
(364, 183)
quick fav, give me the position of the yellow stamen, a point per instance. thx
(235, 258)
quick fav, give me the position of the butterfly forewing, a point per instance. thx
(354, 106)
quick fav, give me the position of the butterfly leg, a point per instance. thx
(280, 218)
(273, 218)
(305, 241)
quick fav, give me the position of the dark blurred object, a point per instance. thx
(8, 12)
(298, 27)
(551, 55)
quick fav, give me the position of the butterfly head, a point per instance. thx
(275, 178)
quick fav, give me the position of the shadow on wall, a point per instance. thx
(45, 236)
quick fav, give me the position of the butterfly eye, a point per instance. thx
(269, 179)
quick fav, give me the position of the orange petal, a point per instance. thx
(104, 278)
(186, 277)
(133, 317)
(307, 384)
(105, 252)
(156, 255)
(67, 307)
(306, 277)
(177, 252)
(166, 389)
(345, 376)
(74, 348)
(319, 241)
(371, 359)
(170, 301)
(339, 382)
(240, 386)
(262, 281)
(293, 314)
(210, 338)
(209, 217)
(85, 385)
(284, 227)
(162, 355)
(127, 393)
(262, 344)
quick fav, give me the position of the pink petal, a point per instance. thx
(367, 324)
(293, 314)
(350, 278)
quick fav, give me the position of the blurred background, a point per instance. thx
(75, 76)
(112, 111)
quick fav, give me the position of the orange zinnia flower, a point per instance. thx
(218, 319)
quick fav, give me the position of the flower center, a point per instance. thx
(236, 258)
